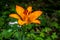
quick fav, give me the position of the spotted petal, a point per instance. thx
(36, 21)
(14, 16)
(20, 22)
(29, 9)
(34, 15)
(20, 11)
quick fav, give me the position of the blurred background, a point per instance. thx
(49, 29)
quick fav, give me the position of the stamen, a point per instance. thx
(26, 12)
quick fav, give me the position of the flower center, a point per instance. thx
(26, 18)
(26, 12)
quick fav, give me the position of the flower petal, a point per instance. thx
(29, 9)
(34, 15)
(14, 16)
(20, 11)
(20, 22)
(36, 21)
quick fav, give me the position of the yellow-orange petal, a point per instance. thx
(35, 15)
(14, 16)
(20, 22)
(36, 21)
(29, 9)
(20, 11)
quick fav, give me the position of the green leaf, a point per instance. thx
(46, 29)
(1, 21)
(48, 38)
(54, 36)
(54, 24)
(43, 20)
(7, 33)
(42, 34)
(38, 38)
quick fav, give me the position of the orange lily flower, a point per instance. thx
(26, 16)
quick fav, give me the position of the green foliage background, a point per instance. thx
(49, 29)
